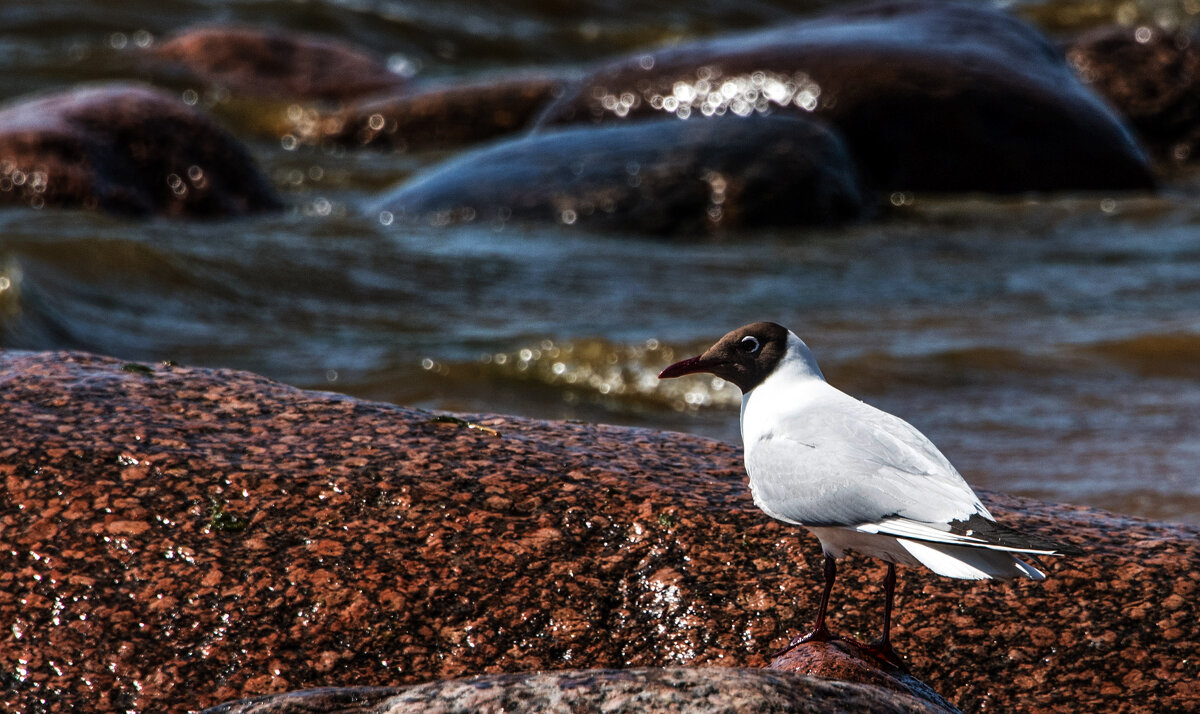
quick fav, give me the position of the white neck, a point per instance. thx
(798, 361)
(796, 375)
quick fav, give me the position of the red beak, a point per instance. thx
(692, 365)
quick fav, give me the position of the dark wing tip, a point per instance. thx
(1061, 548)
(997, 534)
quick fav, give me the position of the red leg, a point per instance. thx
(882, 647)
(820, 632)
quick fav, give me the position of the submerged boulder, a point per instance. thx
(661, 177)
(929, 96)
(125, 149)
(180, 537)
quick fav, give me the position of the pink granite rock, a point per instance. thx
(180, 537)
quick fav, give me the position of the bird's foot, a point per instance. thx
(821, 634)
(881, 649)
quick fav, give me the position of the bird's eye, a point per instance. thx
(749, 344)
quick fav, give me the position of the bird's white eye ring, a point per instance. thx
(749, 344)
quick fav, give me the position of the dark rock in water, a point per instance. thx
(663, 177)
(125, 149)
(179, 537)
(929, 96)
(442, 116)
(270, 63)
(1150, 76)
(677, 690)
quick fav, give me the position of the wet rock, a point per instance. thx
(125, 149)
(1152, 76)
(288, 539)
(666, 691)
(929, 96)
(440, 116)
(270, 63)
(661, 177)
(846, 660)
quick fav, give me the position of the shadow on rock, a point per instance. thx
(660, 177)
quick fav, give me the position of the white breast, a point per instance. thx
(794, 386)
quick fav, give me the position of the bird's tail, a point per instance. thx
(970, 563)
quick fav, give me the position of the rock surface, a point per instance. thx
(260, 62)
(846, 660)
(664, 177)
(182, 537)
(125, 149)
(1150, 76)
(929, 96)
(706, 690)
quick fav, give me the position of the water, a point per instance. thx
(1050, 346)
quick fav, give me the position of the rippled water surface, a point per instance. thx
(1050, 346)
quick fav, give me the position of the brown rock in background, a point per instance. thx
(1152, 76)
(126, 149)
(297, 539)
(436, 117)
(324, 91)
(269, 63)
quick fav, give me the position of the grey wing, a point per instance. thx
(849, 464)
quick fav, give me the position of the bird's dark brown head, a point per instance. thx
(744, 357)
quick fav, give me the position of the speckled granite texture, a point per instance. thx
(180, 537)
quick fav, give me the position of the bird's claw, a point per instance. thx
(820, 634)
(882, 650)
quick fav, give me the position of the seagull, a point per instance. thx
(858, 478)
